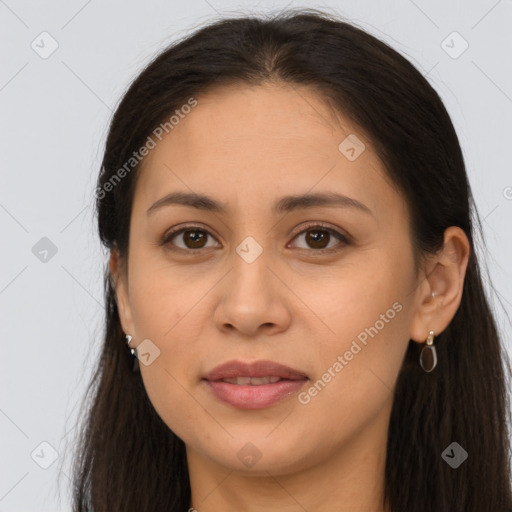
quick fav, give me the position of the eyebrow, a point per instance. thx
(283, 205)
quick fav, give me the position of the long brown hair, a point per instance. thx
(127, 458)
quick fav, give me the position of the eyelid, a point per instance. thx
(320, 224)
(344, 239)
(176, 231)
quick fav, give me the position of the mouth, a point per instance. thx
(254, 385)
(254, 371)
(252, 381)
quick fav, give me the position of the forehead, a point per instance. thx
(280, 116)
(263, 140)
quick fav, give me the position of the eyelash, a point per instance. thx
(345, 240)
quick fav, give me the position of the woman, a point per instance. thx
(295, 314)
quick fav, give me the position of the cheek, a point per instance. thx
(172, 401)
(163, 308)
(159, 296)
(356, 374)
(360, 296)
(369, 329)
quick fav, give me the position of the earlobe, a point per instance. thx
(440, 293)
(120, 285)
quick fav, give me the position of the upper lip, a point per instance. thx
(232, 369)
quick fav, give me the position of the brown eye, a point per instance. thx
(319, 238)
(194, 239)
(190, 238)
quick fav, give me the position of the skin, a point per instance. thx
(246, 147)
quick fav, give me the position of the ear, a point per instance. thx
(445, 271)
(119, 276)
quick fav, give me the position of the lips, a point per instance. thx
(253, 385)
(254, 371)
(253, 381)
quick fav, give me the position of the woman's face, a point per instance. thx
(324, 286)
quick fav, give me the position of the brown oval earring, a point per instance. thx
(428, 356)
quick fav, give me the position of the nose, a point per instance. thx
(252, 299)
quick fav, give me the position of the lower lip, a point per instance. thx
(254, 397)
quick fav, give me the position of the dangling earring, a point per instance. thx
(428, 356)
(134, 360)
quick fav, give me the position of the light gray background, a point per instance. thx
(54, 115)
